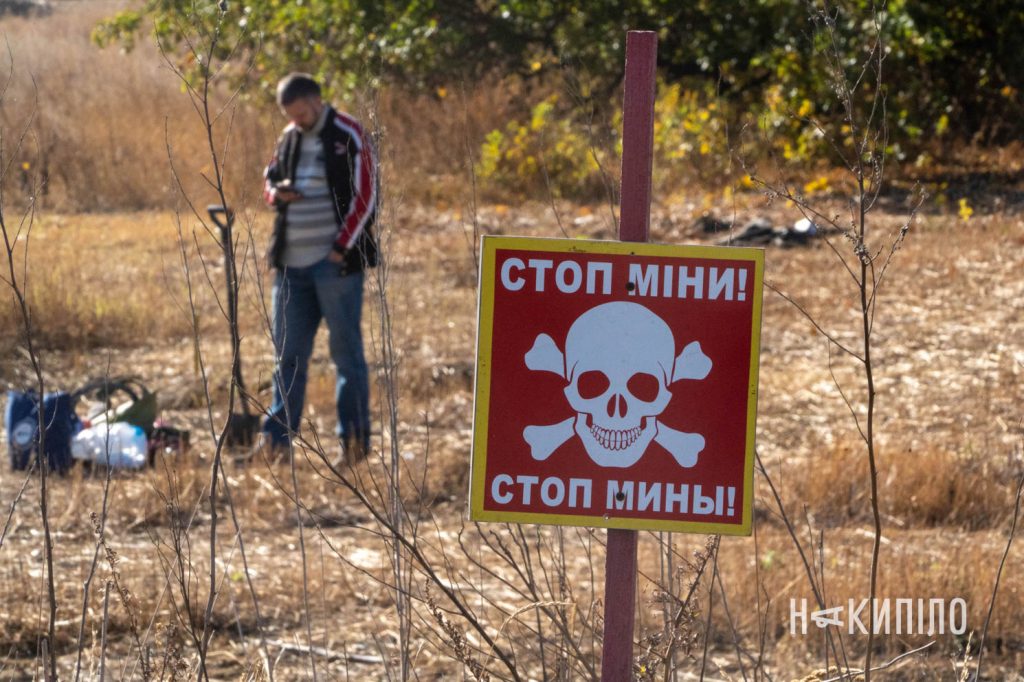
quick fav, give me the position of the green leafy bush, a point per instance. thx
(690, 135)
(550, 154)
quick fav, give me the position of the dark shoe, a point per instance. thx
(351, 453)
(265, 450)
(356, 451)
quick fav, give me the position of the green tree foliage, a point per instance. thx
(953, 68)
(429, 42)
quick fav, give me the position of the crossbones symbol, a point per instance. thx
(619, 361)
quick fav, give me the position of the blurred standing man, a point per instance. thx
(322, 181)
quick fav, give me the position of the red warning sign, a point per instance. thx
(616, 384)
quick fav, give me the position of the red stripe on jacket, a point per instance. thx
(364, 185)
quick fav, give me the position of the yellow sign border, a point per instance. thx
(484, 349)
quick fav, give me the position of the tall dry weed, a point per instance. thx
(104, 117)
(920, 488)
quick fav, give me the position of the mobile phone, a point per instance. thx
(287, 186)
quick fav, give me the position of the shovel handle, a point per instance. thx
(221, 215)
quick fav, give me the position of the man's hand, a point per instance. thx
(337, 258)
(286, 196)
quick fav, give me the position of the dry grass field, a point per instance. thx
(950, 364)
(303, 556)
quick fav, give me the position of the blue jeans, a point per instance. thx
(301, 297)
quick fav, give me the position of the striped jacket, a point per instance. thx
(351, 170)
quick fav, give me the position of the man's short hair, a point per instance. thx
(296, 86)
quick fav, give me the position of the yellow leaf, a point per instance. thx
(818, 185)
(965, 211)
(442, 92)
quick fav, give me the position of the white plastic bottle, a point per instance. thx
(119, 445)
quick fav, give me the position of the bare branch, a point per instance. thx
(810, 318)
(999, 575)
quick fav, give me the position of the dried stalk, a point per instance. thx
(19, 285)
(999, 575)
(868, 135)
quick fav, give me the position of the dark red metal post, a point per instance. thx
(637, 135)
(634, 218)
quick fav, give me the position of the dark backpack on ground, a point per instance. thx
(21, 419)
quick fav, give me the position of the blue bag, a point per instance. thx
(21, 419)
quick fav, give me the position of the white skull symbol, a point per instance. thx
(619, 361)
